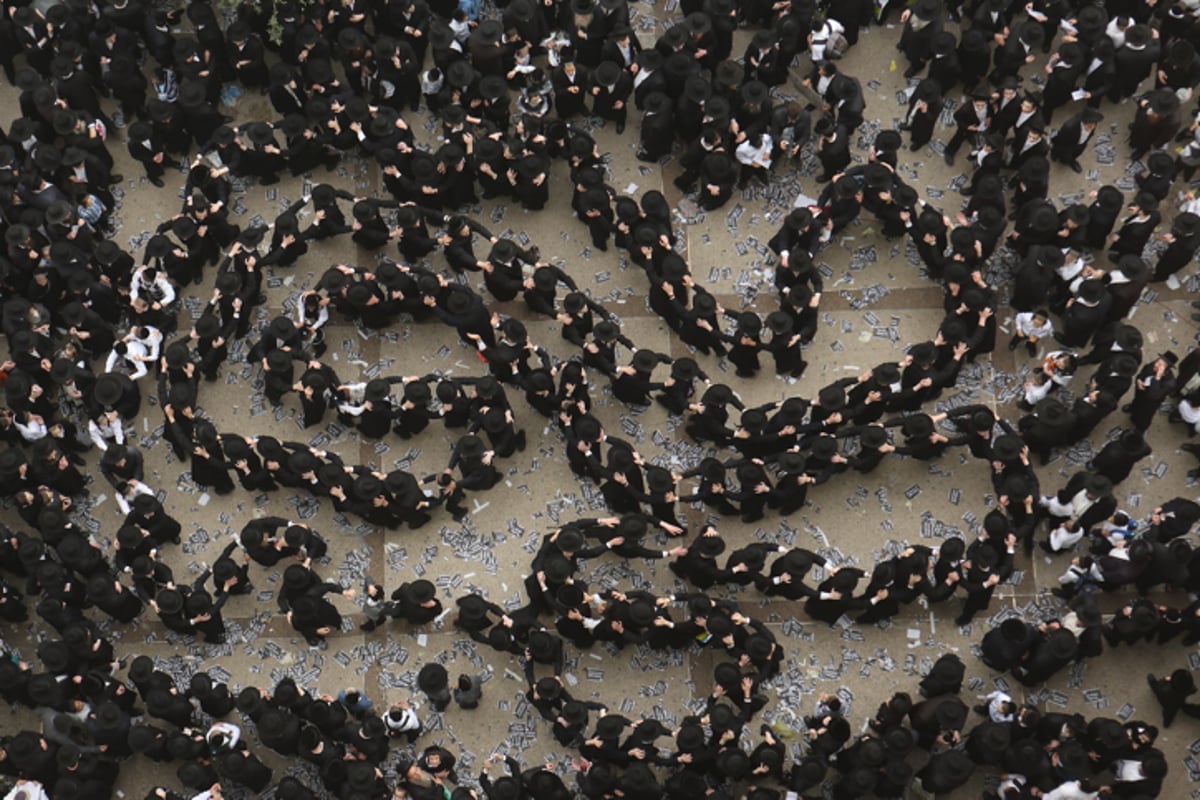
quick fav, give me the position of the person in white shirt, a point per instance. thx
(149, 337)
(311, 314)
(1117, 28)
(822, 36)
(1083, 571)
(998, 707)
(1056, 370)
(1030, 327)
(129, 358)
(224, 737)
(129, 490)
(31, 426)
(432, 81)
(460, 25)
(152, 286)
(350, 399)
(105, 427)
(401, 720)
(1064, 536)
(754, 154)
(27, 790)
(1074, 790)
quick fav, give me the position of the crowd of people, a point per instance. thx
(87, 324)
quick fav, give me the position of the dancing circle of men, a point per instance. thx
(87, 325)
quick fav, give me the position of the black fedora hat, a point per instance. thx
(432, 678)
(367, 487)
(169, 601)
(489, 32)
(873, 437)
(1186, 225)
(1163, 102)
(108, 390)
(1061, 644)
(832, 398)
(471, 447)
(823, 447)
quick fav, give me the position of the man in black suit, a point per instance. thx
(1174, 518)
(1085, 313)
(1004, 647)
(1136, 229)
(648, 76)
(1031, 145)
(622, 48)
(78, 88)
(1135, 59)
(571, 87)
(610, 93)
(1065, 68)
(1155, 121)
(970, 120)
(247, 56)
(833, 148)
(1006, 105)
(1086, 501)
(791, 126)
(33, 37)
(1073, 137)
(287, 97)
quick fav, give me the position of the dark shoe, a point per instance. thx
(949, 158)
(116, 178)
(642, 155)
(1046, 546)
(1075, 166)
(981, 709)
(520, 441)
(1031, 348)
(1012, 343)
(369, 625)
(620, 128)
(158, 182)
(1125, 409)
